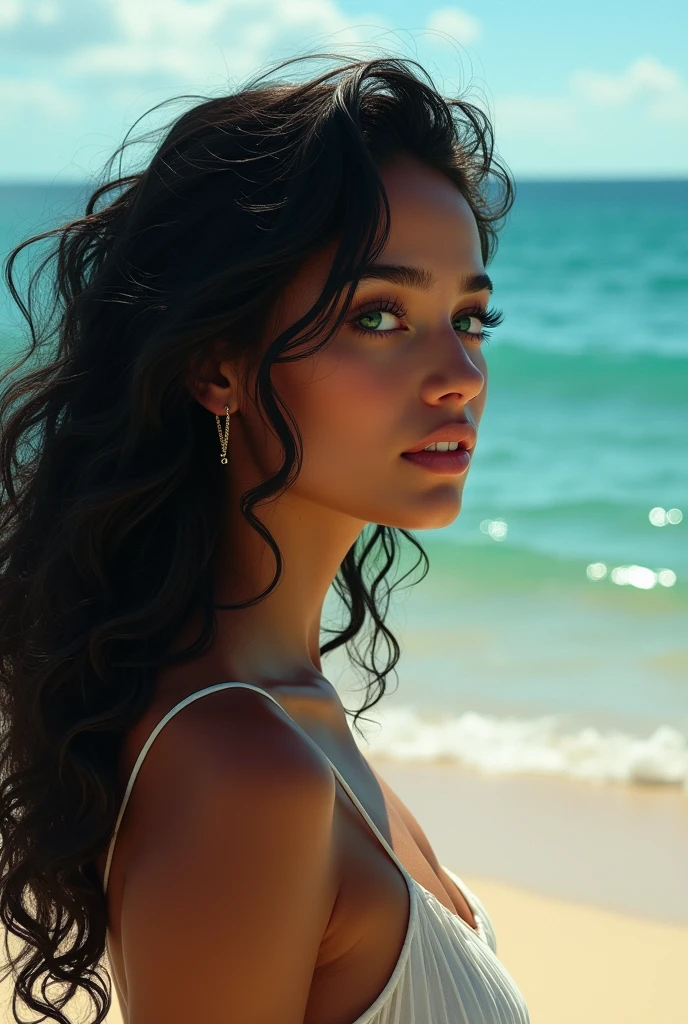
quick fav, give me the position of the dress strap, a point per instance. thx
(202, 693)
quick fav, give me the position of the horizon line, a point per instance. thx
(526, 179)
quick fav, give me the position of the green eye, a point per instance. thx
(464, 324)
(374, 317)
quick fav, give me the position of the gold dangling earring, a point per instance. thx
(225, 439)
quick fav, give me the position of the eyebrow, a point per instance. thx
(423, 280)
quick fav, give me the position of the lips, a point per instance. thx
(456, 430)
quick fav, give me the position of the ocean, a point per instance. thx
(551, 632)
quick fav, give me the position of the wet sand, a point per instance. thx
(614, 846)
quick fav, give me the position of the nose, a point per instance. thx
(451, 369)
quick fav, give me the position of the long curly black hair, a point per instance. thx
(110, 484)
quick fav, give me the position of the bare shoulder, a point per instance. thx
(230, 877)
(232, 738)
(238, 727)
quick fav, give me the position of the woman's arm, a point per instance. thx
(227, 898)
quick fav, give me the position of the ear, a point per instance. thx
(214, 383)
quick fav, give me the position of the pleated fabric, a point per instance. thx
(447, 971)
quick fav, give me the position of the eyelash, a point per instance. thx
(490, 318)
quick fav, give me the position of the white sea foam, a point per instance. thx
(499, 745)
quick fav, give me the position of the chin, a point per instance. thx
(431, 516)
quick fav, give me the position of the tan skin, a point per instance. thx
(359, 403)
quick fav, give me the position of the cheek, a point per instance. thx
(338, 401)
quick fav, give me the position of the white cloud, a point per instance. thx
(91, 68)
(645, 76)
(659, 88)
(455, 22)
(44, 12)
(168, 40)
(9, 13)
(47, 12)
(177, 40)
(25, 99)
(519, 115)
(170, 19)
(645, 81)
(118, 59)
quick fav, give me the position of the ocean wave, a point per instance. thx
(541, 745)
(542, 558)
(599, 371)
(669, 283)
(532, 507)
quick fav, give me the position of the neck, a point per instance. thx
(276, 642)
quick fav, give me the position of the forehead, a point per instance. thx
(431, 225)
(429, 218)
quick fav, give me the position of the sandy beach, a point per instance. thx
(585, 884)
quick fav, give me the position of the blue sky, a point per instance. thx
(575, 90)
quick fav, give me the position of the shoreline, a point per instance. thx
(617, 847)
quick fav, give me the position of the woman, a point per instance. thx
(305, 262)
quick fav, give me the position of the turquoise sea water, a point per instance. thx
(552, 631)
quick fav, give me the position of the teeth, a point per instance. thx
(442, 446)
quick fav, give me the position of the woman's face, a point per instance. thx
(370, 395)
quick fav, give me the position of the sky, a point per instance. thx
(574, 90)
